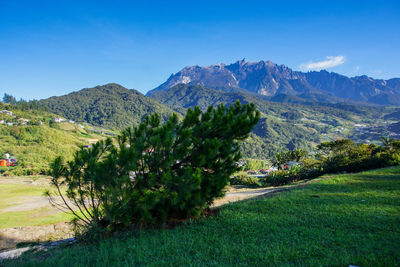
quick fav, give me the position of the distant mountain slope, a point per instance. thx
(283, 125)
(184, 96)
(109, 105)
(269, 79)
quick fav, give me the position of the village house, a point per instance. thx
(23, 121)
(8, 162)
(360, 125)
(9, 113)
(58, 119)
(2, 121)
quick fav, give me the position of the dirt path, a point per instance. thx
(9, 237)
(28, 203)
(233, 194)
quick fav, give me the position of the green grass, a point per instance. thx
(15, 192)
(36, 217)
(348, 219)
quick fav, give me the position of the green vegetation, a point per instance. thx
(15, 192)
(349, 219)
(333, 157)
(39, 141)
(254, 164)
(156, 173)
(282, 158)
(287, 125)
(283, 126)
(109, 106)
(34, 147)
(242, 178)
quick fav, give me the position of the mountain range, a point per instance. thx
(298, 110)
(295, 113)
(282, 126)
(282, 84)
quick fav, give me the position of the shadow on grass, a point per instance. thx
(7, 243)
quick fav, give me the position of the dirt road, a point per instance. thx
(9, 237)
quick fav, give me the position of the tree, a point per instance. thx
(9, 99)
(155, 172)
(281, 158)
(297, 155)
(390, 143)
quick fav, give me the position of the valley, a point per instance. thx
(35, 136)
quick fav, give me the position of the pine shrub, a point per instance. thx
(154, 172)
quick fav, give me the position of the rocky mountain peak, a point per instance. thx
(270, 79)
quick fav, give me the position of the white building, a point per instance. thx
(23, 121)
(9, 113)
(58, 119)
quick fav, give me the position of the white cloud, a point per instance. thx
(329, 62)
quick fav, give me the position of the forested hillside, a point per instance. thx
(282, 126)
(110, 105)
(285, 125)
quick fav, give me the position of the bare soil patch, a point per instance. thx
(10, 237)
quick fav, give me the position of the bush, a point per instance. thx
(293, 174)
(241, 178)
(254, 164)
(153, 173)
(282, 158)
(345, 155)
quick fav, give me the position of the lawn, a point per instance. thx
(21, 192)
(349, 219)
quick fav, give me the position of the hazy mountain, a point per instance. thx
(281, 83)
(110, 105)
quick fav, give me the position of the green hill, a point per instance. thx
(34, 139)
(110, 105)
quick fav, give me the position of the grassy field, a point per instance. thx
(22, 203)
(348, 219)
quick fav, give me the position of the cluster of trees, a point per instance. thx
(254, 164)
(154, 173)
(109, 106)
(9, 99)
(23, 104)
(333, 157)
(345, 155)
(281, 125)
(282, 158)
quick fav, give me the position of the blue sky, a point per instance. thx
(55, 47)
